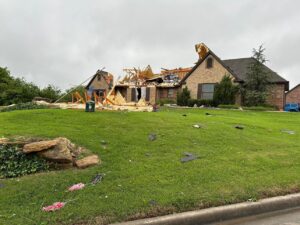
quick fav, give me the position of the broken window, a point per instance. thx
(147, 94)
(209, 63)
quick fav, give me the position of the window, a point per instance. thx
(99, 77)
(170, 93)
(209, 63)
(206, 91)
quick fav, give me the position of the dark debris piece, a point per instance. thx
(184, 115)
(98, 178)
(152, 202)
(240, 127)
(152, 137)
(189, 157)
(208, 114)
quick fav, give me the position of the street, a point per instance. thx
(285, 217)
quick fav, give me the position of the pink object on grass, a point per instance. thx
(76, 187)
(55, 206)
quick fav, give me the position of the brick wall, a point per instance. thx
(276, 96)
(293, 96)
(204, 75)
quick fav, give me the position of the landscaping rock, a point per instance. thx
(87, 161)
(60, 153)
(4, 141)
(39, 146)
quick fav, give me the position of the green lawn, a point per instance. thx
(234, 165)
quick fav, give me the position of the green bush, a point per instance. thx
(23, 106)
(261, 108)
(14, 163)
(200, 102)
(228, 106)
(183, 97)
(225, 91)
(161, 102)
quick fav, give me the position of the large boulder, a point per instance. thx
(87, 161)
(61, 152)
(39, 146)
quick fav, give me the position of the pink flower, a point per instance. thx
(54, 206)
(76, 187)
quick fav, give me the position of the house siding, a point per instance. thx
(293, 96)
(203, 75)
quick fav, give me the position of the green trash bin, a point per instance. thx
(90, 106)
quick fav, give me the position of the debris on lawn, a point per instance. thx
(147, 154)
(208, 114)
(240, 127)
(55, 206)
(98, 178)
(152, 137)
(76, 187)
(197, 126)
(152, 202)
(189, 157)
(184, 115)
(288, 131)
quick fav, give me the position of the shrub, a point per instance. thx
(161, 102)
(183, 97)
(23, 106)
(261, 108)
(225, 91)
(14, 163)
(228, 106)
(200, 102)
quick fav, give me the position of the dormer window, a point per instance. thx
(209, 63)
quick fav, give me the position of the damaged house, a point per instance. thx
(143, 86)
(100, 84)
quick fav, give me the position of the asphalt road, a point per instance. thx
(285, 217)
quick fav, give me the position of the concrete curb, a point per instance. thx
(217, 214)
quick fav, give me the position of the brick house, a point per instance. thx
(293, 96)
(210, 69)
(200, 80)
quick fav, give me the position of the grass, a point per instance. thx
(234, 165)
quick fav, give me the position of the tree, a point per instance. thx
(50, 92)
(256, 85)
(225, 91)
(183, 97)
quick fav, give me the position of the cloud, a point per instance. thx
(64, 42)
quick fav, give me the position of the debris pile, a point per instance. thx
(59, 150)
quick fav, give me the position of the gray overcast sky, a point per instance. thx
(63, 42)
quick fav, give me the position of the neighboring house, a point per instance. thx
(293, 96)
(101, 83)
(210, 69)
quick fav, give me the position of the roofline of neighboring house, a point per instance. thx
(293, 88)
(202, 60)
